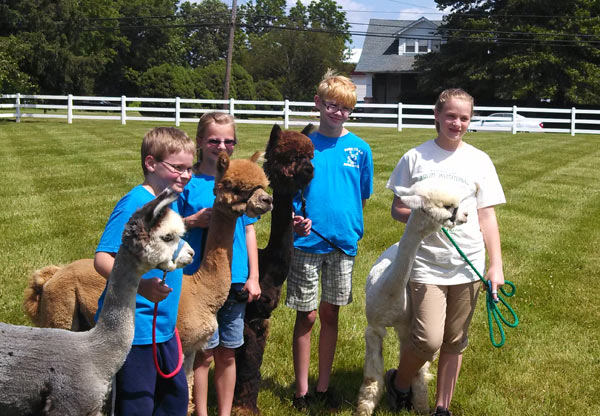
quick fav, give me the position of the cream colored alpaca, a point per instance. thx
(432, 207)
(62, 373)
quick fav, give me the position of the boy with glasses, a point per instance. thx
(167, 159)
(343, 181)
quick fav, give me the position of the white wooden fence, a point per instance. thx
(184, 110)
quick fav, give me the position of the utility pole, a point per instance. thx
(230, 50)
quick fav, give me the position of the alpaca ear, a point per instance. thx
(165, 199)
(308, 129)
(255, 156)
(412, 201)
(222, 164)
(273, 138)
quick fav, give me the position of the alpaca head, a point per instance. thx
(153, 235)
(439, 200)
(240, 187)
(288, 159)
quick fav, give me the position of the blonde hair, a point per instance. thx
(449, 94)
(337, 88)
(160, 142)
(204, 122)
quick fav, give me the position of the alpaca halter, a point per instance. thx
(179, 349)
(493, 312)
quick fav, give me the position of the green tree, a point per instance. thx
(296, 52)
(518, 51)
(12, 79)
(213, 75)
(206, 31)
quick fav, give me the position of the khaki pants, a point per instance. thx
(441, 317)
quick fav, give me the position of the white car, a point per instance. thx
(504, 122)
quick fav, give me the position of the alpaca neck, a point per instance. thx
(115, 328)
(417, 228)
(281, 238)
(214, 274)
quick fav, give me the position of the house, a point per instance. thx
(384, 73)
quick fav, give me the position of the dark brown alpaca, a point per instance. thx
(289, 168)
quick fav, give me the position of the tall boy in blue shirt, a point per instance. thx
(343, 181)
(167, 159)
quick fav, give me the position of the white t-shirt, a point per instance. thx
(473, 173)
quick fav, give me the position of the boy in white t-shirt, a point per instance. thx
(443, 289)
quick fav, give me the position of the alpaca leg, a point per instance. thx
(372, 386)
(249, 360)
(188, 367)
(420, 399)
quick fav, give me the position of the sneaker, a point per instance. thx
(301, 403)
(328, 398)
(398, 400)
(440, 411)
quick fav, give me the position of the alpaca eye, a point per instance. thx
(448, 207)
(168, 238)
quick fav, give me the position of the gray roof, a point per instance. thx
(380, 50)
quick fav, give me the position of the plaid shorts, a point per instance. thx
(303, 280)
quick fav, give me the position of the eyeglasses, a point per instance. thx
(334, 108)
(226, 142)
(180, 170)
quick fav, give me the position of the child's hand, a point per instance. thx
(200, 219)
(153, 289)
(253, 288)
(495, 275)
(302, 225)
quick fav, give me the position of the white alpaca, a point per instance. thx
(432, 207)
(57, 372)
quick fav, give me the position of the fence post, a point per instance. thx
(514, 120)
(286, 114)
(70, 109)
(18, 108)
(123, 110)
(231, 108)
(177, 108)
(399, 116)
(573, 121)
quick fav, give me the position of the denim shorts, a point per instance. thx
(230, 318)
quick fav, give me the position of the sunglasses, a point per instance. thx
(334, 108)
(225, 142)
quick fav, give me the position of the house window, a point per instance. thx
(420, 46)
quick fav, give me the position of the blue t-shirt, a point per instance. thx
(343, 178)
(144, 308)
(198, 194)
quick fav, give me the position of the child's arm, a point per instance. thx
(200, 219)
(252, 285)
(400, 212)
(491, 237)
(103, 263)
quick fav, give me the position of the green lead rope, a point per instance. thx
(493, 312)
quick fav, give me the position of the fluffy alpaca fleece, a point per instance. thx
(56, 372)
(288, 166)
(433, 205)
(239, 188)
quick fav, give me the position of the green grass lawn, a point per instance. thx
(60, 183)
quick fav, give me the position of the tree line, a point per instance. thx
(502, 51)
(167, 48)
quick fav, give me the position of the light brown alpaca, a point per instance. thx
(239, 188)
